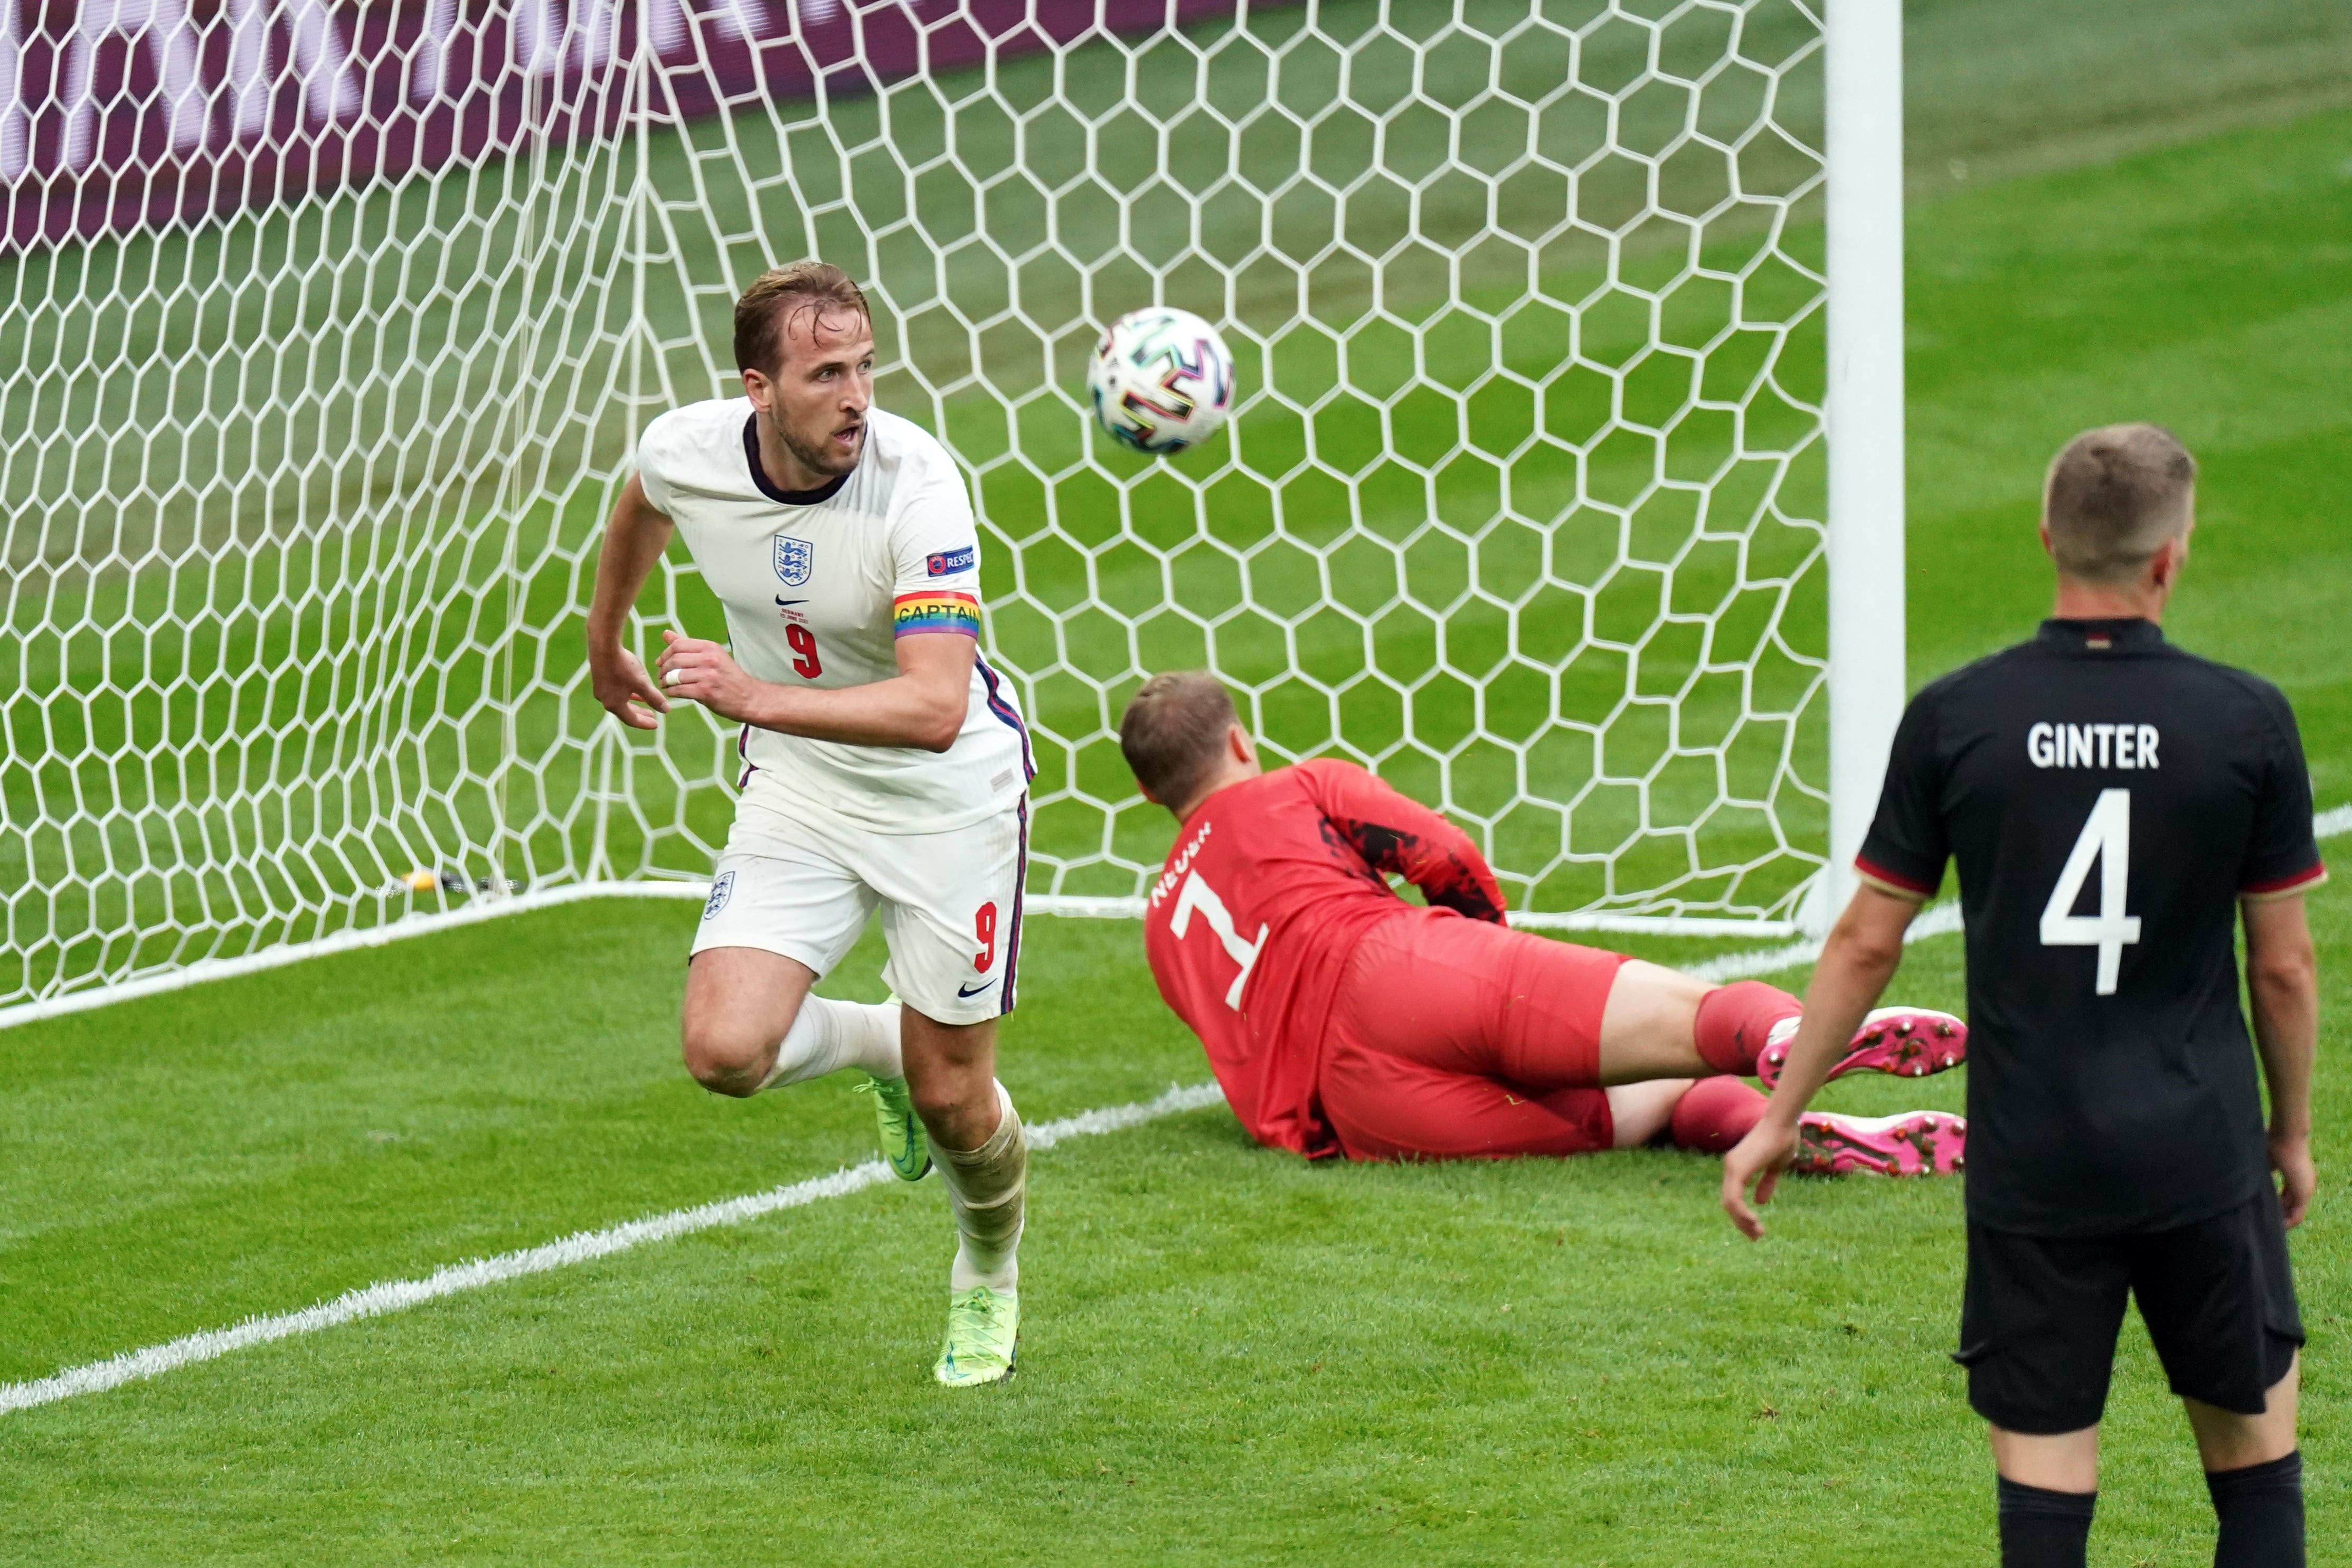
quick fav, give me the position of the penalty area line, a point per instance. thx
(398, 1295)
(393, 1295)
(1937, 919)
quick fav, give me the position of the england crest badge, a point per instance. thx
(722, 888)
(796, 558)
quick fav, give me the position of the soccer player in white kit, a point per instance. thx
(884, 763)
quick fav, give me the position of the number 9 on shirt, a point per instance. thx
(797, 880)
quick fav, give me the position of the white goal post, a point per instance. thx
(1564, 489)
(1865, 425)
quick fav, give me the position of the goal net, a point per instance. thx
(328, 327)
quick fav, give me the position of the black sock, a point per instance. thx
(2042, 1529)
(2261, 1510)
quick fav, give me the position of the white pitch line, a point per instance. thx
(398, 1295)
(1732, 966)
(393, 1295)
(1940, 920)
(1937, 919)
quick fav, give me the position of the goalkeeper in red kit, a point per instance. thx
(1341, 1020)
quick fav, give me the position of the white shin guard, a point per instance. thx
(828, 1036)
(985, 1191)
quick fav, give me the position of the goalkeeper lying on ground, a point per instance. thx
(1342, 1020)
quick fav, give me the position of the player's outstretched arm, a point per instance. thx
(1859, 957)
(634, 541)
(2283, 984)
(923, 705)
(1397, 836)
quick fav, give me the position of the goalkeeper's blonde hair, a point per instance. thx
(1171, 732)
(2113, 496)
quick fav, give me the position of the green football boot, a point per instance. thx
(904, 1143)
(983, 1334)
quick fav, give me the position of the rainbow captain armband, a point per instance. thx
(934, 610)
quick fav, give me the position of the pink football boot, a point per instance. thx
(1908, 1042)
(1916, 1143)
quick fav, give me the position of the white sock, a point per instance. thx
(828, 1036)
(986, 1191)
(868, 1035)
(968, 1269)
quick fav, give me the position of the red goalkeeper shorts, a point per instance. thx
(1456, 1039)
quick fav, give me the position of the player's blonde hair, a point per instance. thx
(2113, 498)
(763, 309)
(1172, 731)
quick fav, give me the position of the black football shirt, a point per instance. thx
(2107, 799)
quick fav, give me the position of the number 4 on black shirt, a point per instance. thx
(2107, 799)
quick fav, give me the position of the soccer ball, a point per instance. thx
(1161, 379)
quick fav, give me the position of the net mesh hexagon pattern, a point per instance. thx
(329, 329)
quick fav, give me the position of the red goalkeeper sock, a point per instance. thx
(1716, 1113)
(1733, 1021)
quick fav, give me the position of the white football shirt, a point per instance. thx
(820, 585)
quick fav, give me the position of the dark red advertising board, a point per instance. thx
(122, 114)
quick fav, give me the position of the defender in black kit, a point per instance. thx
(2114, 806)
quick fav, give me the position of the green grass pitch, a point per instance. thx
(1230, 1357)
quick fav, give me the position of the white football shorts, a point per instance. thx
(801, 881)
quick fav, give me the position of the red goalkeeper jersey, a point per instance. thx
(1260, 905)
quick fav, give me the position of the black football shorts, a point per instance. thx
(2040, 1316)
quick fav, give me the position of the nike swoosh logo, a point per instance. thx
(790, 602)
(974, 990)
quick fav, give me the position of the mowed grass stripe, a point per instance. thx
(1937, 921)
(393, 1295)
(1214, 1377)
(398, 1295)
